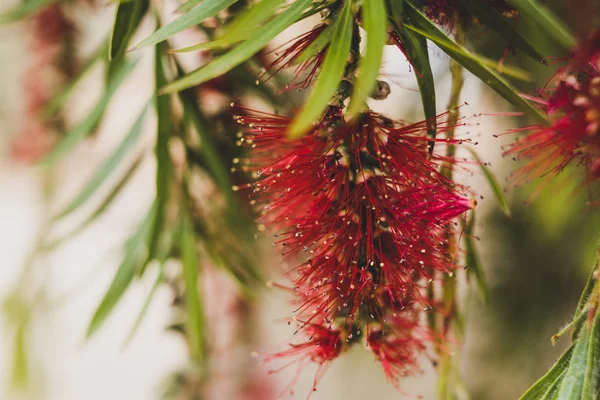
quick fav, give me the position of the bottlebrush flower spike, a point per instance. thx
(573, 105)
(291, 53)
(364, 201)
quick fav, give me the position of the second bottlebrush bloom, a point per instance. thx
(572, 103)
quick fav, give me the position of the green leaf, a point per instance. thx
(592, 373)
(375, 22)
(24, 9)
(20, 361)
(89, 123)
(583, 299)
(58, 101)
(188, 5)
(424, 26)
(107, 167)
(242, 52)
(128, 16)
(114, 193)
(572, 384)
(189, 259)
(161, 151)
(491, 18)
(418, 56)
(493, 182)
(474, 265)
(144, 310)
(330, 76)
(532, 10)
(135, 256)
(213, 44)
(547, 385)
(204, 10)
(316, 45)
(251, 18)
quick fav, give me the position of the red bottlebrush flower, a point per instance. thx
(292, 53)
(573, 107)
(364, 201)
(323, 346)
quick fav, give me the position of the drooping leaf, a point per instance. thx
(114, 193)
(495, 21)
(532, 10)
(24, 9)
(583, 299)
(193, 301)
(419, 23)
(547, 385)
(316, 45)
(497, 190)
(84, 128)
(196, 15)
(128, 16)
(20, 358)
(474, 265)
(375, 23)
(415, 47)
(240, 53)
(135, 256)
(161, 150)
(58, 101)
(572, 384)
(251, 18)
(330, 76)
(107, 167)
(144, 310)
(592, 374)
(188, 5)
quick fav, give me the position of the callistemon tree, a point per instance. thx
(365, 210)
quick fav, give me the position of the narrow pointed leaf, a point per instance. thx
(24, 9)
(251, 18)
(532, 10)
(474, 265)
(592, 373)
(213, 44)
(90, 122)
(546, 386)
(330, 76)
(188, 5)
(196, 15)
(423, 25)
(107, 167)
(495, 21)
(128, 16)
(572, 384)
(144, 310)
(375, 22)
(240, 53)
(134, 257)
(415, 47)
(114, 193)
(497, 190)
(161, 151)
(583, 299)
(59, 100)
(316, 46)
(189, 259)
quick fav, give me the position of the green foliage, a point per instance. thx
(330, 75)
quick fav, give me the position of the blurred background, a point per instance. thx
(536, 261)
